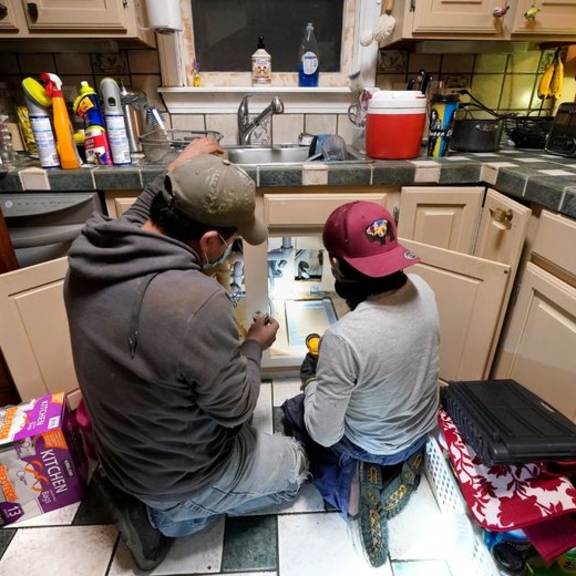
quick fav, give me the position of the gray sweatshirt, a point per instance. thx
(162, 371)
(377, 374)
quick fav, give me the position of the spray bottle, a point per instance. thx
(69, 157)
(115, 124)
(37, 103)
(87, 107)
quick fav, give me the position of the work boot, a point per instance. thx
(147, 545)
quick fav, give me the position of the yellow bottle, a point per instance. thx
(65, 143)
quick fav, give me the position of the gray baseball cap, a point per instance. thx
(211, 190)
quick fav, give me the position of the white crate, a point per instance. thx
(471, 557)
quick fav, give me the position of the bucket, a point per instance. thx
(395, 124)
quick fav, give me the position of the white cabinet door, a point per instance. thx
(443, 216)
(461, 17)
(539, 351)
(469, 293)
(34, 334)
(75, 14)
(555, 17)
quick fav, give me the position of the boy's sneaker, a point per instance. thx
(373, 524)
(399, 482)
(147, 545)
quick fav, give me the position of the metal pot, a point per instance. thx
(476, 134)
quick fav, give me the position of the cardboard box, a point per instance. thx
(40, 454)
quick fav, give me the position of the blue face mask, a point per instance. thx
(209, 265)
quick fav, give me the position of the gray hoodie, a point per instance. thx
(164, 376)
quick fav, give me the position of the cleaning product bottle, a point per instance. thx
(261, 65)
(87, 107)
(308, 58)
(65, 143)
(115, 123)
(37, 103)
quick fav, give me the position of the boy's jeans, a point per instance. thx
(263, 470)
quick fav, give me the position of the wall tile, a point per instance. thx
(113, 64)
(8, 64)
(524, 62)
(287, 127)
(149, 84)
(143, 62)
(428, 62)
(489, 63)
(457, 63)
(517, 91)
(226, 124)
(73, 63)
(188, 122)
(320, 123)
(392, 61)
(36, 63)
(487, 88)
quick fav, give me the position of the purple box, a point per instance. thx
(40, 455)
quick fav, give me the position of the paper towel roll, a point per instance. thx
(164, 16)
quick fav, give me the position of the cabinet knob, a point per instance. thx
(3, 11)
(501, 218)
(500, 11)
(32, 11)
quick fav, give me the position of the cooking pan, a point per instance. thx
(475, 134)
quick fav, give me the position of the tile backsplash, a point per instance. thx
(504, 82)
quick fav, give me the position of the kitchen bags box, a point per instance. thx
(40, 455)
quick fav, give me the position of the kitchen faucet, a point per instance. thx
(245, 127)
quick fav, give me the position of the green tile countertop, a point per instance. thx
(531, 175)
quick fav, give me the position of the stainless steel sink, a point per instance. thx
(284, 155)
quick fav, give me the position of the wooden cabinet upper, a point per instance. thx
(61, 19)
(9, 21)
(476, 20)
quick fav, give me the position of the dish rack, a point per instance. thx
(473, 557)
(162, 146)
(528, 131)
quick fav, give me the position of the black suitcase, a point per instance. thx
(507, 424)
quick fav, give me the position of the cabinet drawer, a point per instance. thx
(308, 210)
(555, 241)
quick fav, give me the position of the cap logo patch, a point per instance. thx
(379, 231)
(410, 255)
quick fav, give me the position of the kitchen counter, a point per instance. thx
(530, 175)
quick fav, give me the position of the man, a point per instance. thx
(371, 392)
(168, 385)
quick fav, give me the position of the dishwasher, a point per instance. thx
(43, 225)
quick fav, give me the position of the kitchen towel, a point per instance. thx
(553, 537)
(505, 497)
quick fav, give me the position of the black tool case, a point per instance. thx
(507, 424)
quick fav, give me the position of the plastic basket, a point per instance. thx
(163, 146)
(473, 558)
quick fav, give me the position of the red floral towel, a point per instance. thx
(505, 497)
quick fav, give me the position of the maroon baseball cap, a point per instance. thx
(364, 235)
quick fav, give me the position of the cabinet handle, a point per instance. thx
(500, 11)
(501, 218)
(33, 11)
(3, 11)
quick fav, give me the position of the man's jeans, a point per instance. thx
(263, 470)
(333, 468)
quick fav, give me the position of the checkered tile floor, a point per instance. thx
(302, 539)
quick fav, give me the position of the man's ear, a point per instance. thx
(207, 240)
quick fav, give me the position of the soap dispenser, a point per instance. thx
(261, 65)
(308, 58)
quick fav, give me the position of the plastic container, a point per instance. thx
(37, 103)
(69, 157)
(442, 113)
(87, 106)
(261, 65)
(395, 124)
(115, 123)
(308, 58)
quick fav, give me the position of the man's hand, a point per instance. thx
(197, 147)
(263, 329)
